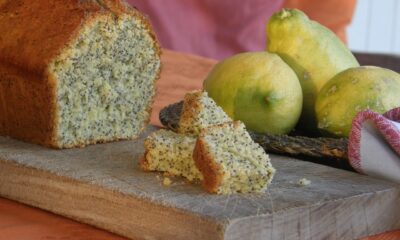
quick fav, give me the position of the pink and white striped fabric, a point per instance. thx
(374, 144)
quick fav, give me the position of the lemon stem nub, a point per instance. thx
(285, 13)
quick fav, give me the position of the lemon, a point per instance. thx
(259, 89)
(352, 91)
(312, 51)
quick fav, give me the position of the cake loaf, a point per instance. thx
(75, 72)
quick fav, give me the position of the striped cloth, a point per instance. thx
(374, 144)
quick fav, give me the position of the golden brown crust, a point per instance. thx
(27, 24)
(21, 117)
(212, 176)
(205, 161)
(33, 34)
(144, 163)
(191, 107)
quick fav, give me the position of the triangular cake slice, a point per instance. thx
(230, 161)
(200, 111)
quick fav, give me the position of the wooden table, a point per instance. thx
(181, 72)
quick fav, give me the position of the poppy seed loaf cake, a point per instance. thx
(167, 151)
(75, 72)
(230, 161)
(200, 111)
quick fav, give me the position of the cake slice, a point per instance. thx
(230, 161)
(167, 151)
(200, 111)
(171, 152)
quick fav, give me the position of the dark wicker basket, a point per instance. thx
(381, 60)
(328, 151)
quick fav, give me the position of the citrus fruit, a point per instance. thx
(352, 91)
(312, 51)
(259, 89)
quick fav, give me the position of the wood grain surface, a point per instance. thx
(102, 185)
(355, 205)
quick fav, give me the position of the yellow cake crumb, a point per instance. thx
(167, 181)
(304, 182)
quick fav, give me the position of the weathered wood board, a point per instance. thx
(102, 185)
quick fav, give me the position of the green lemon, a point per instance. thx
(259, 89)
(312, 51)
(352, 91)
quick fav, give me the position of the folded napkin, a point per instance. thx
(374, 144)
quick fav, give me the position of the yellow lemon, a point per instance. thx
(312, 51)
(259, 89)
(352, 91)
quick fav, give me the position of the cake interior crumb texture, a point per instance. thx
(240, 164)
(167, 151)
(105, 81)
(200, 111)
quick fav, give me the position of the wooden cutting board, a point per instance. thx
(102, 185)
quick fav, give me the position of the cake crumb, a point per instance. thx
(304, 182)
(167, 181)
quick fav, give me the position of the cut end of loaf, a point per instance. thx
(105, 81)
